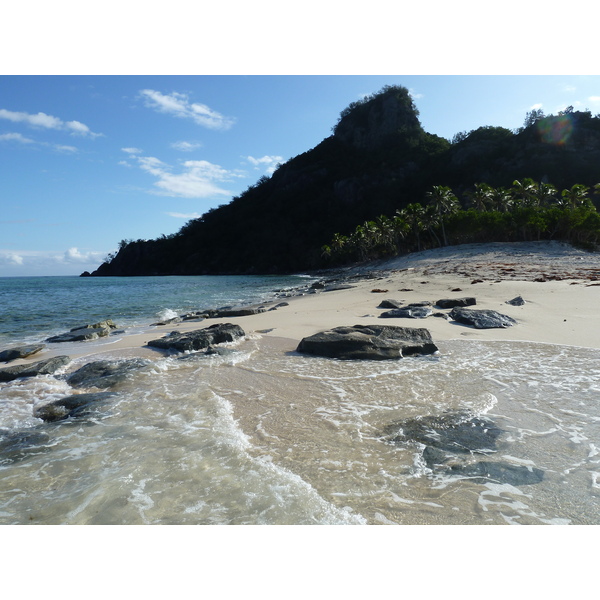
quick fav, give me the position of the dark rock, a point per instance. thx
(105, 374)
(85, 332)
(43, 367)
(317, 285)
(280, 305)
(450, 432)
(518, 301)
(408, 312)
(453, 302)
(20, 352)
(17, 445)
(481, 319)
(77, 405)
(388, 303)
(243, 311)
(199, 339)
(499, 472)
(370, 342)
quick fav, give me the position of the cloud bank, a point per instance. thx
(43, 121)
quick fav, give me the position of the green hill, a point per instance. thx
(377, 161)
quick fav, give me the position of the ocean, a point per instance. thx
(264, 435)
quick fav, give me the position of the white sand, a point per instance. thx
(557, 311)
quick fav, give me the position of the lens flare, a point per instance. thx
(556, 130)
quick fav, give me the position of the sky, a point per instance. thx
(102, 143)
(88, 161)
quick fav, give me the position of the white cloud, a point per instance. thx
(186, 146)
(38, 262)
(10, 258)
(67, 149)
(198, 179)
(42, 120)
(536, 106)
(179, 105)
(594, 99)
(132, 150)
(15, 137)
(269, 162)
(414, 95)
(184, 216)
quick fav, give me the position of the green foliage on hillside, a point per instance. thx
(380, 161)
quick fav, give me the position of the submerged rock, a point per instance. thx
(449, 432)
(20, 352)
(105, 374)
(199, 339)
(370, 342)
(43, 367)
(499, 472)
(481, 319)
(77, 405)
(17, 445)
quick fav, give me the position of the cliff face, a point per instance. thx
(378, 159)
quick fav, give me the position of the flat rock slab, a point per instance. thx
(368, 342)
(20, 352)
(105, 374)
(481, 319)
(453, 302)
(43, 367)
(498, 472)
(199, 339)
(85, 332)
(77, 405)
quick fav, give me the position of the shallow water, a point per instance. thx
(267, 436)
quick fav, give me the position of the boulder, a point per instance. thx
(453, 302)
(389, 303)
(481, 319)
(370, 342)
(518, 301)
(410, 311)
(105, 374)
(43, 367)
(77, 405)
(20, 352)
(200, 338)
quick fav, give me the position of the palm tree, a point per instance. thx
(414, 215)
(524, 192)
(576, 196)
(443, 202)
(481, 198)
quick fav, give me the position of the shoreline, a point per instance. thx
(560, 285)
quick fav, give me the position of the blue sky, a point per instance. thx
(90, 160)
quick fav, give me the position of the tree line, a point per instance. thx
(526, 211)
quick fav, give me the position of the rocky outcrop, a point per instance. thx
(200, 339)
(77, 405)
(481, 319)
(85, 332)
(369, 342)
(43, 367)
(20, 352)
(17, 445)
(105, 374)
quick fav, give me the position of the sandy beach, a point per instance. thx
(560, 285)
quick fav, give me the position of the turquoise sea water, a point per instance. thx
(263, 435)
(32, 308)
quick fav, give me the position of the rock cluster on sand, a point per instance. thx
(481, 319)
(370, 342)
